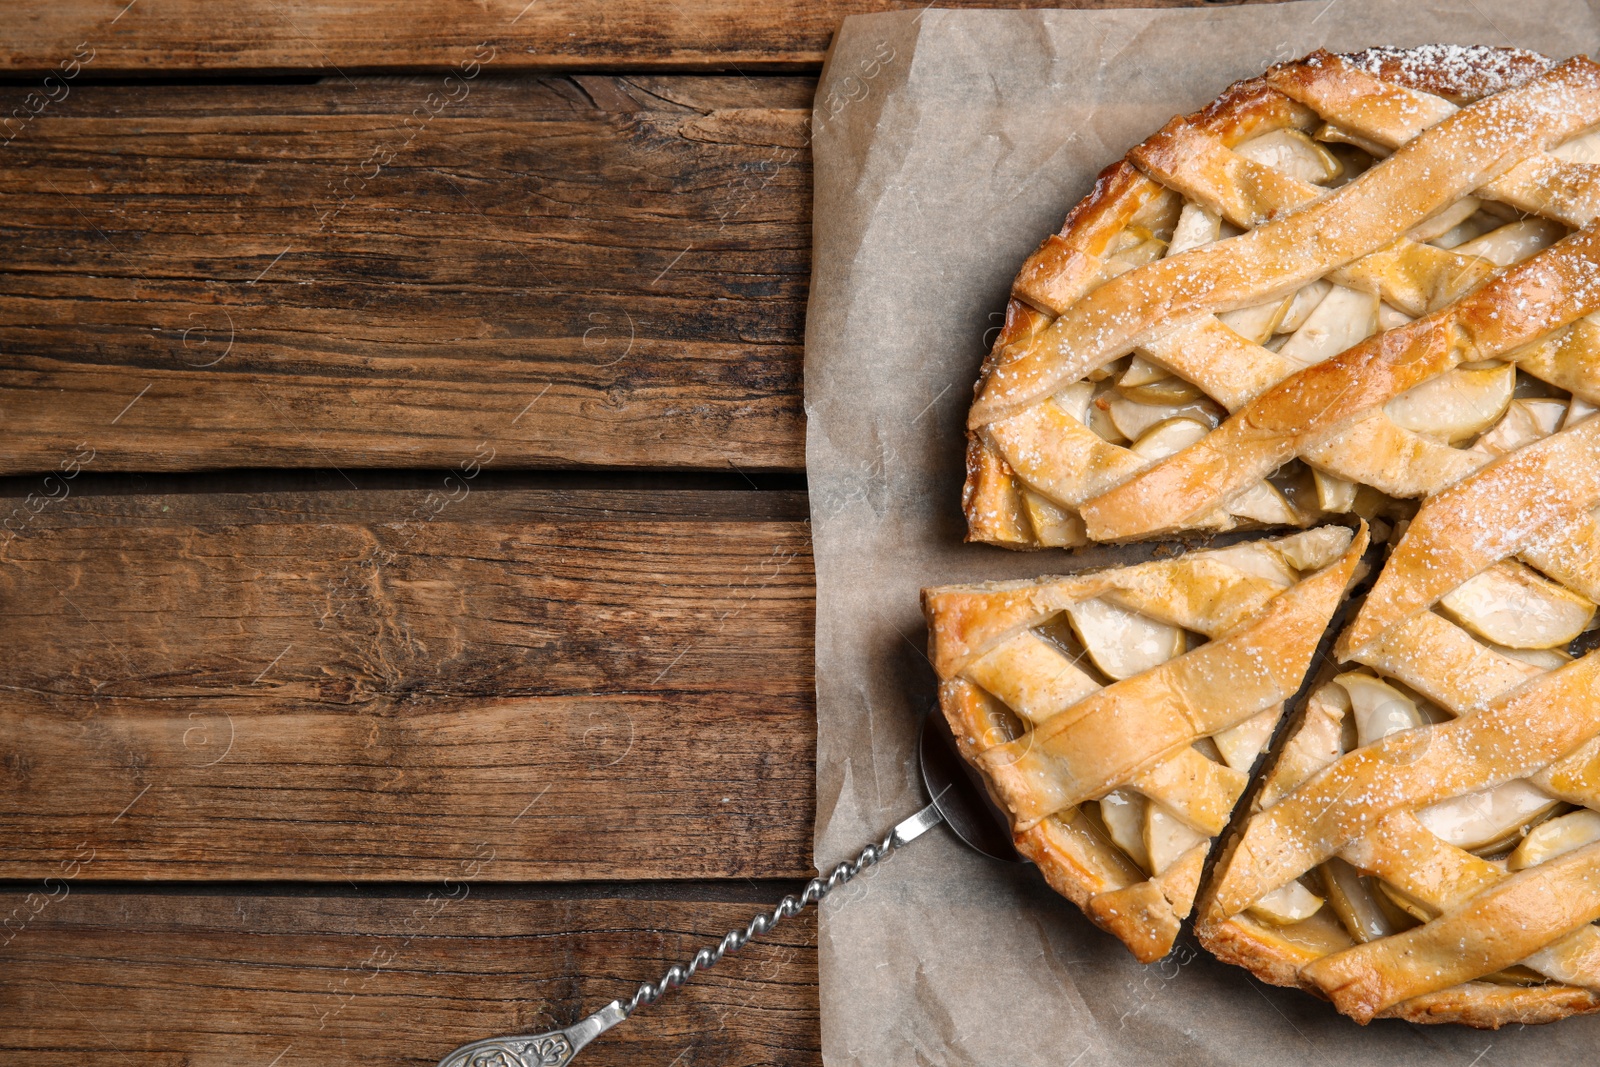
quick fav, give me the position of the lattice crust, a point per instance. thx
(1427, 843)
(1354, 280)
(1115, 715)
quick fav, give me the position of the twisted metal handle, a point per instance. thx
(789, 906)
(558, 1047)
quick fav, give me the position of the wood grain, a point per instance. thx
(378, 685)
(228, 979)
(570, 272)
(151, 36)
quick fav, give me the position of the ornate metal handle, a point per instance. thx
(556, 1048)
(553, 1049)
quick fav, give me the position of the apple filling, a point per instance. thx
(1142, 404)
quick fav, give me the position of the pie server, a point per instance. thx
(958, 800)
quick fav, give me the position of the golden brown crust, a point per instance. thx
(1547, 487)
(1078, 287)
(1482, 1005)
(1141, 916)
(1113, 733)
(1101, 288)
(1248, 947)
(1264, 607)
(1056, 274)
(1494, 928)
(1323, 400)
(1486, 1006)
(1460, 73)
(1511, 722)
(1060, 269)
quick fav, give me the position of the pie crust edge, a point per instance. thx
(1118, 193)
(1063, 268)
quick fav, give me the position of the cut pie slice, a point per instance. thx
(1427, 843)
(1116, 715)
(1352, 281)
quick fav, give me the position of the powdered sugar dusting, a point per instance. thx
(1410, 129)
(1463, 70)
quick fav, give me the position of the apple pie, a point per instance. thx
(1426, 844)
(1354, 280)
(1115, 716)
(1359, 285)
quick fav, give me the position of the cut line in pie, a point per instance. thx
(1426, 844)
(1116, 715)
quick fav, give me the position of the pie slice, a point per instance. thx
(1354, 280)
(1116, 715)
(1427, 843)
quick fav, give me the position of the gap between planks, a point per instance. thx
(298, 684)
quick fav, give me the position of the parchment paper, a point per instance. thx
(947, 144)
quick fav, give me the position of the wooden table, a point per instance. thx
(406, 589)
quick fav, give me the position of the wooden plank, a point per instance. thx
(152, 36)
(557, 272)
(162, 981)
(330, 685)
